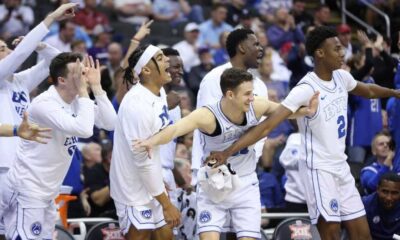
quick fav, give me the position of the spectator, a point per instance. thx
(267, 8)
(235, 8)
(344, 35)
(322, 16)
(383, 163)
(15, 19)
(383, 208)
(211, 29)
(98, 182)
(91, 153)
(221, 55)
(176, 11)
(115, 55)
(187, 48)
(133, 11)
(198, 72)
(100, 49)
(91, 19)
(301, 17)
(248, 20)
(79, 46)
(284, 30)
(62, 41)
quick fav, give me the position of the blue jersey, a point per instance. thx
(364, 114)
(393, 111)
(382, 223)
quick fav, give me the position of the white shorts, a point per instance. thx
(26, 217)
(242, 207)
(331, 194)
(146, 217)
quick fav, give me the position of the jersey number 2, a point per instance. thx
(341, 126)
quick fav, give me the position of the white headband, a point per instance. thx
(145, 58)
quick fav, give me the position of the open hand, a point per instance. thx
(313, 104)
(33, 132)
(172, 216)
(142, 145)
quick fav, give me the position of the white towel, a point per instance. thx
(218, 182)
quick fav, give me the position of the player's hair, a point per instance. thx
(132, 60)
(389, 176)
(235, 38)
(58, 66)
(170, 52)
(316, 37)
(231, 78)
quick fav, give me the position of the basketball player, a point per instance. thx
(15, 87)
(220, 125)
(331, 195)
(34, 181)
(245, 52)
(137, 187)
(25, 130)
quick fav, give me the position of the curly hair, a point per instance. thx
(317, 36)
(235, 38)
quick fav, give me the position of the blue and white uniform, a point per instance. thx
(330, 188)
(135, 178)
(15, 89)
(242, 206)
(34, 181)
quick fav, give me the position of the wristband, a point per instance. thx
(15, 130)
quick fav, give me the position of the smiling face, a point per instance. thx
(253, 51)
(242, 96)
(157, 69)
(389, 194)
(175, 69)
(331, 53)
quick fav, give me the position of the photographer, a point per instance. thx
(383, 151)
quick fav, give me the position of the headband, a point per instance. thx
(145, 58)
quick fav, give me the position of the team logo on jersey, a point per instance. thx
(376, 219)
(146, 213)
(205, 216)
(300, 230)
(36, 228)
(334, 205)
(294, 152)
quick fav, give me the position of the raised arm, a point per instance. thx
(201, 118)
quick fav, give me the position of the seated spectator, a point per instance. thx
(176, 11)
(79, 46)
(100, 49)
(211, 29)
(98, 182)
(15, 19)
(267, 8)
(383, 207)
(115, 55)
(188, 47)
(221, 55)
(344, 35)
(91, 153)
(198, 72)
(235, 8)
(91, 19)
(66, 35)
(248, 20)
(133, 11)
(381, 150)
(301, 17)
(322, 16)
(284, 30)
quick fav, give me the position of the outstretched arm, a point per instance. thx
(201, 118)
(374, 91)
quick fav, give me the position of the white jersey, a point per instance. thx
(324, 134)
(39, 169)
(167, 151)
(243, 162)
(15, 87)
(289, 160)
(209, 93)
(135, 178)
